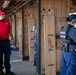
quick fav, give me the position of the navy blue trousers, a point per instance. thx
(68, 63)
(5, 51)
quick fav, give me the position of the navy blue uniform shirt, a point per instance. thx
(72, 35)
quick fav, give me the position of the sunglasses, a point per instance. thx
(2, 14)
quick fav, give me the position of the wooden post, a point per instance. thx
(31, 23)
(53, 13)
(26, 49)
(49, 45)
(68, 7)
(13, 26)
(19, 31)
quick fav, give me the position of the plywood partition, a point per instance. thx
(31, 23)
(32, 10)
(17, 34)
(53, 16)
(49, 39)
(49, 45)
(46, 11)
(60, 20)
(19, 30)
(26, 50)
(68, 7)
(13, 25)
(58, 25)
(64, 11)
(43, 13)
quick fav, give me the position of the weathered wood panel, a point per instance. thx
(68, 7)
(26, 50)
(43, 13)
(58, 15)
(19, 31)
(49, 45)
(64, 12)
(47, 9)
(59, 10)
(58, 23)
(13, 25)
(31, 23)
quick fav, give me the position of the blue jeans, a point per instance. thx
(5, 50)
(68, 63)
(35, 49)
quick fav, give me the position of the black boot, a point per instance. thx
(10, 73)
(1, 72)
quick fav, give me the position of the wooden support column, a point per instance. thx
(53, 16)
(58, 24)
(43, 13)
(49, 39)
(19, 30)
(10, 20)
(31, 23)
(22, 14)
(26, 49)
(17, 38)
(60, 20)
(15, 28)
(68, 7)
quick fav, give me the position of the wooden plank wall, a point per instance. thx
(43, 13)
(60, 15)
(13, 26)
(19, 30)
(49, 39)
(26, 49)
(49, 45)
(31, 23)
(68, 7)
(58, 21)
(53, 13)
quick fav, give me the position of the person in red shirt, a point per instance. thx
(5, 31)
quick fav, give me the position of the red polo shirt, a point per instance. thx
(4, 29)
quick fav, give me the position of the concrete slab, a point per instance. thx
(21, 67)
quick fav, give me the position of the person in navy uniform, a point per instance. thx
(68, 66)
(5, 31)
(35, 44)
